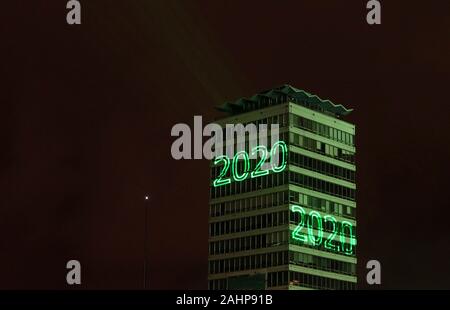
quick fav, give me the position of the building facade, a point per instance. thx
(292, 226)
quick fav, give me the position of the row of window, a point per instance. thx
(281, 120)
(279, 278)
(277, 179)
(249, 204)
(278, 199)
(321, 263)
(322, 130)
(261, 221)
(322, 186)
(296, 160)
(249, 185)
(274, 279)
(244, 224)
(284, 278)
(350, 246)
(263, 241)
(248, 243)
(321, 148)
(323, 205)
(250, 262)
(262, 102)
(217, 284)
(321, 167)
(318, 282)
(313, 105)
(266, 260)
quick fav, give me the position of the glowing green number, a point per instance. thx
(313, 215)
(284, 151)
(219, 181)
(316, 239)
(349, 249)
(257, 172)
(234, 166)
(328, 244)
(296, 232)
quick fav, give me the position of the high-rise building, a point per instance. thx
(290, 225)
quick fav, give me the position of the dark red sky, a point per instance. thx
(87, 112)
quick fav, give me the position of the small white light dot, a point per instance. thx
(146, 197)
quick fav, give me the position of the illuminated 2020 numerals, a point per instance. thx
(261, 150)
(314, 221)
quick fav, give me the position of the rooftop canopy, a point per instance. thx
(283, 94)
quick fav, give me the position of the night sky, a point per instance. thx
(86, 114)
